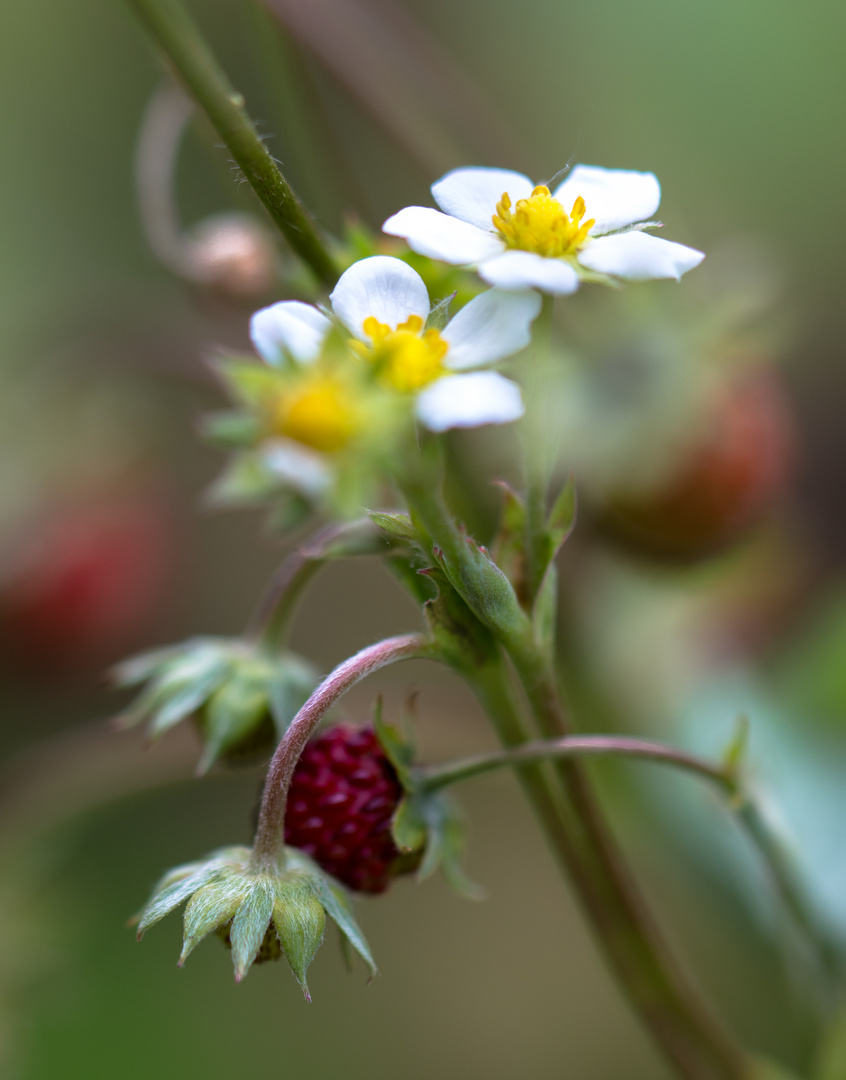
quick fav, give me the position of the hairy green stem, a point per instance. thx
(692, 1040)
(180, 39)
(276, 608)
(270, 833)
(741, 802)
(536, 452)
(693, 1043)
(575, 746)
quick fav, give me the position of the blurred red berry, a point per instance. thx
(726, 479)
(343, 795)
(84, 583)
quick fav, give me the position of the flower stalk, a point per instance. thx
(740, 801)
(687, 1035)
(269, 840)
(180, 39)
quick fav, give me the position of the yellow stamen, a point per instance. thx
(404, 359)
(541, 224)
(318, 413)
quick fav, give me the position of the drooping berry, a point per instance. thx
(725, 481)
(342, 797)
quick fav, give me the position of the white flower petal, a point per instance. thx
(638, 256)
(491, 327)
(482, 397)
(297, 466)
(288, 327)
(431, 233)
(526, 270)
(614, 197)
(386, 288)
(471, 195)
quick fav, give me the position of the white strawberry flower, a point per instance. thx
(385, 305)
(520, 236)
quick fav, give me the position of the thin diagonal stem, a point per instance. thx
(180, 39)
(577, 746)
(269, 840)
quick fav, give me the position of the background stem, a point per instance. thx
(181, 40)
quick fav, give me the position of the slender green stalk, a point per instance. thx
(671, 1011)
(696, 1047)
(276, 608)
(269, 839)
(536, 455)
(740, 801)
(575, 746)
(180, 39)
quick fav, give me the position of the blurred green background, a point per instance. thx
(740, 110)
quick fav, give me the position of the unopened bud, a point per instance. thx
(233, 255)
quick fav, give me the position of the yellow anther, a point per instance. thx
(318, 413)
(541, 224)
(404, 359)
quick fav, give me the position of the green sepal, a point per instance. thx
(334, 899)
(734, 754)
(250, 382)
(439, 315)
(210, 907)
(396, 525)
(509, 546)
(300, 922)
(246, 480)
(250, 922)
(230, 427)
(562, 517)
(396, 741)
(485, 588)
(432, 821)
(464, 641)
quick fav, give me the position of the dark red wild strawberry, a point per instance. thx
(343, 795)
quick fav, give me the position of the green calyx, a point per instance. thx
(242, 697)
(260, 914)
(427, 826)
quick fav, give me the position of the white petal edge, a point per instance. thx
(614, 197)
(516, 270)
(439, 236)
(471, 194)
(299, 467)
(489, 328)
(482, 397)
(290, 327)
(382, 287)
(638, 256)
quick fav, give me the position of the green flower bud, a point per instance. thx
(241, 697)
(260, 914)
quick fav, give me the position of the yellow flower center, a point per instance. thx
(317, 413)
(541, 224)
(404, 359)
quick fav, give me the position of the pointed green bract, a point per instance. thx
(300, 920)
(260, 913)
(213, 906)
(337, 906)
(249, 926)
